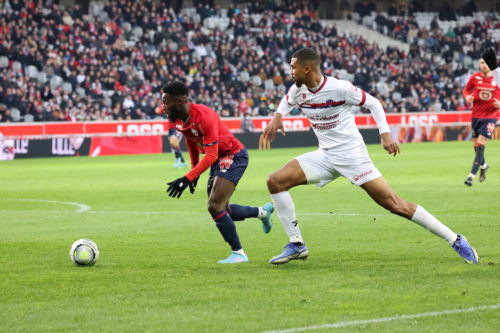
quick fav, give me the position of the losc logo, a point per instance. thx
(358, 177)
(142, 128)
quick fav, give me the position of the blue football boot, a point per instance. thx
(267, 223)
(467, 252)
(234, 258)
(291, 252)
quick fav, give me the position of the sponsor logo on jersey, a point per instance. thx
(493, 83)
(358, 177)
(479, 78)
(304, 96)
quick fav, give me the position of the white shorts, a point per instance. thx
(321, 167)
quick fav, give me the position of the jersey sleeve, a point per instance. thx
(357, 96)
(496, 75)
(209, 128)
(288, 102)
(353, 94)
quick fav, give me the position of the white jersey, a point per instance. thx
(496, 75)
(328, 110)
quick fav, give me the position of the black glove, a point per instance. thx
(193, 185)
(178, 186)
(490, 58)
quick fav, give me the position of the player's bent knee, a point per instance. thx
(275, 184)
(215, 207)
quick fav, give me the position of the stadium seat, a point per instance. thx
(244, 76)
(269, 84)
(32, 72)
(81, 92)
(29, 118)
(42, 77)
(4, 62)
(15, 114)
(55, 82)
(67, 87)
(16, 66)
(137, 33)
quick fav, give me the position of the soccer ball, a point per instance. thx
(84, 252)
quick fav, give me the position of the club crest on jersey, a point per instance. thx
(195, 132)
(225, 163)
(304, 97)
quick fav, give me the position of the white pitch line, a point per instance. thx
(83, 208)
(200, 212)
(386, 319)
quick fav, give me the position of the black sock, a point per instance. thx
(227, 229)
(178, 153)
(479, 158)
(239, 213)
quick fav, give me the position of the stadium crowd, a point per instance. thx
(466, 35)
(61, 64)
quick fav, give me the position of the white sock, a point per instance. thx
(484, 166)
(285, 208)
(262, 213)
(429, 222)
(471, 175)
(241, 252)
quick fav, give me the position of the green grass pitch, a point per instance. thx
(158, 272)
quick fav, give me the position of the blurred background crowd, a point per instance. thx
(111, 61)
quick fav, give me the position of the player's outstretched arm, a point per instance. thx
(274, 125)
(389, 144)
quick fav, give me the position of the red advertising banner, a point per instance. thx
(148, 128)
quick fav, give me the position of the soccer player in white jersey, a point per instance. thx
(490, 58)
(326, 102)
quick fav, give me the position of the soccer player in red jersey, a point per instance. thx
(226, 157)
(484, 95)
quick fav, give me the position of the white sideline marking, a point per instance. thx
(194, 212)
(386, 319)
(83, 208)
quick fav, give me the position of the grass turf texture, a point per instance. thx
(158, 273)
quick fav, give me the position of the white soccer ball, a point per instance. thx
(84, 252)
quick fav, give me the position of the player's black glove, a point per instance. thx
(490, 58)
(178, 186)
(193, 185)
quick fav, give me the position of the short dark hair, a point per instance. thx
(306, 54)
(175, 88)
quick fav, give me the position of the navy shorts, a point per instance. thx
(231, 167)
(483, 126)
(173, 131)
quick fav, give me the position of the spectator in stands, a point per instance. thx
(393, 10)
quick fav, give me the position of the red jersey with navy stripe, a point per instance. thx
(485, 91)
(205, 128)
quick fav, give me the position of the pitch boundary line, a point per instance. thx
(86, 210)
(82, 207)
(386, 319)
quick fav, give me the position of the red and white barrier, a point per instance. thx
(45, 130)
